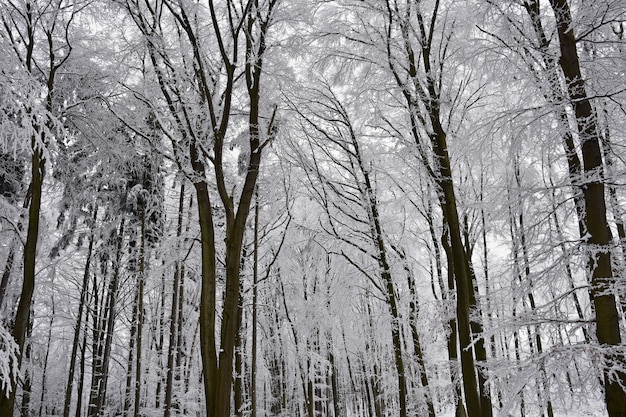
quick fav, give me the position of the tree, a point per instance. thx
(45, 46)
(202, 125)
(596, 225)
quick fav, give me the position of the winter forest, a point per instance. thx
(307, 208)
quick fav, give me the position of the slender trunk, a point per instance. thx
(101, 365)
(334, 380)
(131, 358)
(518, 359)
(255, 296)
(310, 396)
(239, 371)
(160, 342)
(173, 342)
(6, 273)
(180, 340)
(42, 400)
(77, 329)
(278, 394)
(518, 237)
(607, 318)
(417, 347)
(81, 376)
(568, 270)
(140, 291)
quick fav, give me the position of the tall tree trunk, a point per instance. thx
(159, 342)
(207, 294)
(77, 330)
(140, 291)
(128, 391)
(607, 318)
(453, 354)
(255, 298)
(107, 323)
(44, 376)
(81, 376)
(239, 365)
(173, 345)
(417, 347)
(20, 326)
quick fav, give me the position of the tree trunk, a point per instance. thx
(101, 361)
(131, 359)
(140, 291)
(417, 347)
(239, 367)
(30, 254)
(255, 297)
(207, 298)
(173, 345)
(81, 377)
(454, 332)
(42, 400)
(77, 329)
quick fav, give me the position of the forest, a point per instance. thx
(311, 208)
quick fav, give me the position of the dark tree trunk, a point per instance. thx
(105, 331)
(28, 286)
(140, 291)
(77, 330)
(174, 344)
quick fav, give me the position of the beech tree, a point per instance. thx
(564, 84)
(200, 125)
(41, 39)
